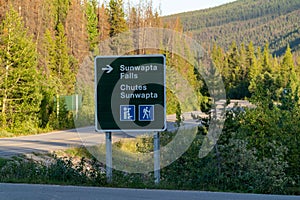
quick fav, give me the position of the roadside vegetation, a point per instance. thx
(264, 161)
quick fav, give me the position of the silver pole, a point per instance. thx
(156, 158)
(76, 105)
(108, 144)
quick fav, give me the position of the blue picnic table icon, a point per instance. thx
(127, 113)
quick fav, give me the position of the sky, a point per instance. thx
(177, 6)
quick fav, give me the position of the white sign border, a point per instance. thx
(165, 94)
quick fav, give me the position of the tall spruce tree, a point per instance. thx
(91, 8)
(116, 18)
(61, 11)
(253, 67)
(266, 60)
(287, 71)
(62, 68)
(121, 41)
(234, 70)
(60, 78)
(20, 95)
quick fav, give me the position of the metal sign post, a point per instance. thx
(156, 158)
(108, 144)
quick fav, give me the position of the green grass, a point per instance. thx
(75, 152)
(5, 134)
(10, 134)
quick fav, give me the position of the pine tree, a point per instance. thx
(91, 8)
(116, 18)
(50, 85)
(60, 78)
(63, 69)
(265, 92)
(253, 67)
(58, 65)
(288, 72)
(20, 95)
(266, 65)
(234, 71)
(218, 58)
(287, 99)
(121, 43)
(243, 63)
(61, 11)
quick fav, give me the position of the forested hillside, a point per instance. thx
(275, 21)
(46, 42)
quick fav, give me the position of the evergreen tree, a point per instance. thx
(234, 72)
(58, 62)
(218, 58)
(91, 8)
(61, 11)
(244, 76)
(116, 18)
(60, 79)
(266, 88)
(288, 98)
(20, 95)
(266, 65)
(243, 63)
(120, 43)
(288, 72)
(50, 87)
(49, 47)
(253, 67)
(63, 69)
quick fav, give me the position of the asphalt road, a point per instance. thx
(86, 136)
(59, 140)
(46, 192)
(53, 141)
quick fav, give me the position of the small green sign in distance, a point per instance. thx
(130, 93)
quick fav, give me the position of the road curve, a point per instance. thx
(48, 142)
(46, 192)
(59, 140)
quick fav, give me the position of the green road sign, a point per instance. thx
(130, 93)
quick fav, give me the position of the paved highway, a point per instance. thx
(62, 140)
(53, 141)
(46, 192)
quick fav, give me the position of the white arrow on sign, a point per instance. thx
(108, 69)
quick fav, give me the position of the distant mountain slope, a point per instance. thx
(275, 21)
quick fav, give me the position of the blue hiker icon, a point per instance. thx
(146, 113)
